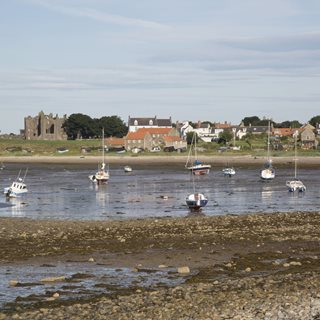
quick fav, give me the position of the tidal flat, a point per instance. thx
(257, 266)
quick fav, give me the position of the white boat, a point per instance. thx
(229, 171)
(102, 175)
(127, 169)
(18, 188)
(195, 166)
(295, 184)
(268, 172)
(196, 201)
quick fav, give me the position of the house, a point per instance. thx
(135, 124)
(308, 137)
(114, 143)
(283, 132)
(257, 129)
(184, 128)
(139, 139)
(176, 142)
(158, 134)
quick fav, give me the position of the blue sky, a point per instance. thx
(216, 60)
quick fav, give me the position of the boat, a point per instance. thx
(102, 175)
(229, 171)
(127, 169)
(196, 201)
(18, 188)
(295, 184)
(196, 166)
(268, 172)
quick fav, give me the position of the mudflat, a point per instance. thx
(259, 266)
(304, 161)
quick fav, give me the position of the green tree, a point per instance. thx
(254, 121)
(225, 136)
(314, 120)
(113, 126)
(190, 137)
(80, 125)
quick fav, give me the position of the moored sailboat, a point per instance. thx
(268, 172)
(196, 166)
(295, 184)
(102, 175)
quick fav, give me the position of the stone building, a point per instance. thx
(44, 127)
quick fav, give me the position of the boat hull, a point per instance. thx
(295, 185)
(267, 174)
(196, 201)
(200, 170)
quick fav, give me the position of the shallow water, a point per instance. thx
(64, 192)
(83, 280)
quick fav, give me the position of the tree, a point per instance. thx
(190, 137)
(225, 136)
(313, 121)
(80, 125)
(254, 120)
(113, 126)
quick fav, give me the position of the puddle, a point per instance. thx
(77, 280)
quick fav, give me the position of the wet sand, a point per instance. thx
(260, 266)
(135, 159)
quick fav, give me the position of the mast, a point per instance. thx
(103, 164)
(268, 146)
(295, 154)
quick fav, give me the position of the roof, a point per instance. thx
(155, 130)
(284, 132)
(154, 121)
(138, 135)
(113, 141)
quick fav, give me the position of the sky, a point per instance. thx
(209, 60)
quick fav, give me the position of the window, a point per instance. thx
(150, 122)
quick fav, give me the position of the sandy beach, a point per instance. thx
(122, 159)
(260, 266)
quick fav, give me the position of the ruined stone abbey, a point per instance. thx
(44, 127)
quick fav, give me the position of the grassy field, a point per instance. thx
(20, 147)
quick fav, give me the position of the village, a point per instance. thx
(155, 134)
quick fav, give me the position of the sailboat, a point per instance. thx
(196, 167)
(17, 188)
(229, 171)
(268, 173)
(102, 175)
(195, 201)
(295, 184)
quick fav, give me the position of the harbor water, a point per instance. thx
(64, 192)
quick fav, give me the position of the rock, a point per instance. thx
(13, 283)
(183, 270)
(53, 279)
(91, 260)
(248, 269)
(56, 295)
(161, 266)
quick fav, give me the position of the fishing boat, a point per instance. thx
(102, 175)
(18, 188)
(196, 166)
(295, 184)
(268, 172)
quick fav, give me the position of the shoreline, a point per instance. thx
(213, 160)
(252, 266)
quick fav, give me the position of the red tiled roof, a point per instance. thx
(113, 141)
(155, 130)
(138, 135)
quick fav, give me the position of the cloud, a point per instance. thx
(289, 43)
(94, 14)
